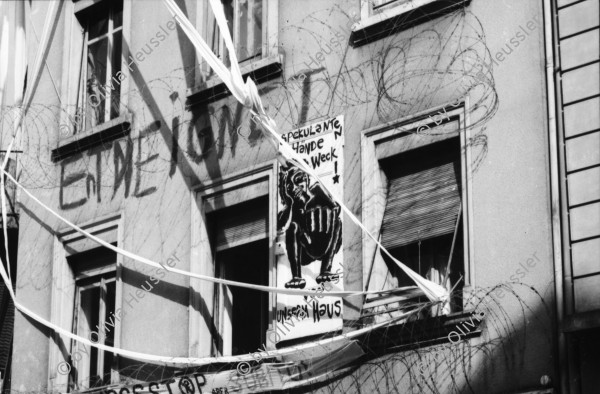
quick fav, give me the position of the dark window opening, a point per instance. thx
(239, 238)
(94, 311)
(249, 308)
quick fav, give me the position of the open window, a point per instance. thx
(422, 224)
(86, 295)
(94, 78)
(233, 238)
(253, 25)
(415, 199)
(94, 311)
(100, 74)
(239, 238)
(245, 21)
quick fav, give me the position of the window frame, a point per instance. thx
(269, 47)
(102, 284)
(369, 17)
(11, 191)
(74, 49)
(203, 293)
(394, 18)
(108, 95)
(69, 242)
(373, 190)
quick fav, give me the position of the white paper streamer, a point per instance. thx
(154, 264)
(178, 361)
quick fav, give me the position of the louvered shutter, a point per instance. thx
(422, 205)
(239, 224)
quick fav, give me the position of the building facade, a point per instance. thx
(462, 134)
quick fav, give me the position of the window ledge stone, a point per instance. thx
(581, 321)
(422, 332)
(214, 89)
(101, 134)
(400, 18)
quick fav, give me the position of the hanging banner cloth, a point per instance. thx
(263, 378)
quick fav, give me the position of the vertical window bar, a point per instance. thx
(248, 46)
(73, 374)
(109, 53)
(82, 88)
(102, 312)
(265, 31)
(236, 26)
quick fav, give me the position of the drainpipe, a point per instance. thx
(549, 39)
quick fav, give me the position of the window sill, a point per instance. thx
(537, 391)
(399, 18)
(423, 332)
(581, 321)
(99, 135)
(214, 89)
(408, 335)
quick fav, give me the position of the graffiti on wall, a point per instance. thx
(80, 179)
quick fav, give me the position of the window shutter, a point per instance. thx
(93, 262)
(422, 205)
(239, 224)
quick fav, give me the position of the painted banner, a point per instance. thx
(309, 242)
(263, 377)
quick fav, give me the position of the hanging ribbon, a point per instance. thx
(178, 361)
(154, 264)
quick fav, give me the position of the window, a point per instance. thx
(100, 72)
(10, 189)
(416, 200)
(94, 75)
(379, 5)
(239, 235)
(94, 309)
(245, 26)
(370, 8)
(253, 28)
(421, 222)
(381, 18)
(86, 293)
(231, 228)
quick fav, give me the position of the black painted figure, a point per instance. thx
(311, 221)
